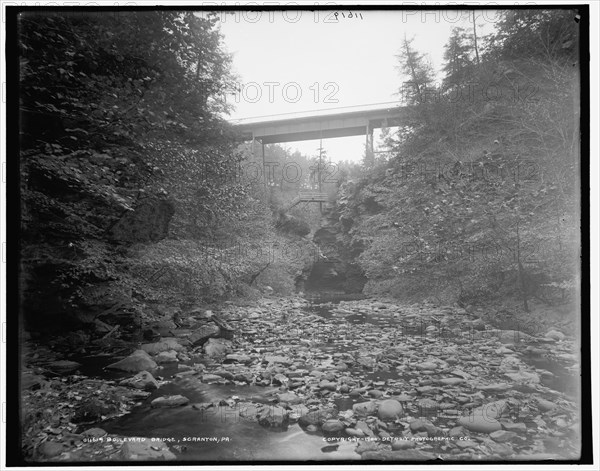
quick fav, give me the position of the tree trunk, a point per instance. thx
(475, 38)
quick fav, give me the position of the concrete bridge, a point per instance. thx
(341, 122)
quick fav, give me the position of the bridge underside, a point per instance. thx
(355, 123)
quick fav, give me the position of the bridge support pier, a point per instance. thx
(370, 154)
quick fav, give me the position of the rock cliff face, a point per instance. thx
(335, 269)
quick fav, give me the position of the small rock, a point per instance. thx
(51, 449)
(452, 381)
(332, 426)
(170, 401)
(211, 378)
(480, 423)
(555, 335)
(289, 397)
(364, 427)
(91, 410)
(278, 359)
(136, 362)
(317, 417)
(375, 393)
(403, 444)
(155, 347)
(366, 446)
(400, 455)
(524, 377)
(201, 335)
(502, 436)
(466, 444)
(146, 450)
(514, 427)
(457, 432)
(63, 366)
(545, 405)
(427, 365)
(273, 416)
(353, 432)
(217, 347)
(365, 408)
(238, 357)
(327, 385)
(94, 432)
(169, 356)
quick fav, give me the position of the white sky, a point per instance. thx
(333, 64)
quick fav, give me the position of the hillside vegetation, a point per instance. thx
(479, 201)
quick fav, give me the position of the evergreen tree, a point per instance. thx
(457, 57)
(417, 70)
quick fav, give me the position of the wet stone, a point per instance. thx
(353, 432)
(390, 409)
(273, 416)
(502, 436)
(365, 408)
(332, 426)
(514, 427)
(238, 357)
(403, 444)
(480, 423)
(146, 450)
(143, 380)
(170, 401)
(63, 366)
(169, 356)
(52, 449)
(328, 385)
(400, 455)
(136, 362)
(94, 432)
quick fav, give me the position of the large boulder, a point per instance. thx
(134, 363)
(390, 409)
(202, 334)
(217, 347)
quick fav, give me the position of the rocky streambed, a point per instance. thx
(293, 380)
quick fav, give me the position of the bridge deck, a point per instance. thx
(321, 125)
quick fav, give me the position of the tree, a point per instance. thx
(417, 70)
(536, 34)
(473, 15)
(457, 57)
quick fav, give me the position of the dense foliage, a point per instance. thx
(130, 188)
